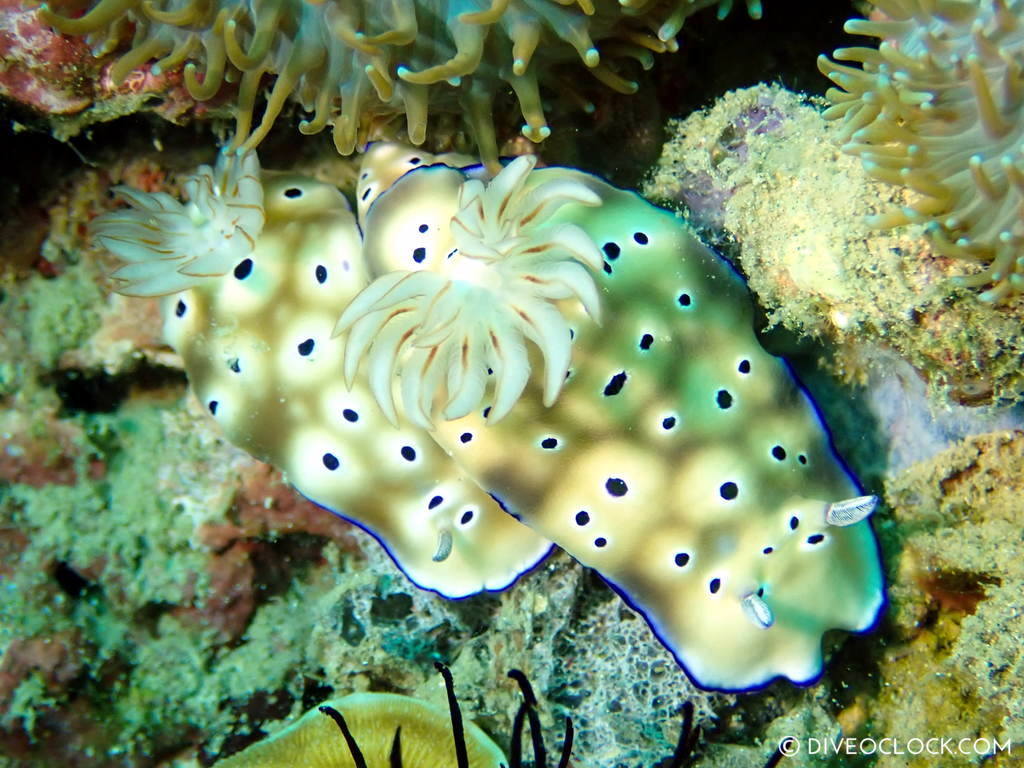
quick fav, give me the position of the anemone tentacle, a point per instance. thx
(353, 64)
(938, 108)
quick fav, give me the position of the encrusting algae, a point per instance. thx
(761, 174)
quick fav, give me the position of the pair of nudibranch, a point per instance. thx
(384, 360)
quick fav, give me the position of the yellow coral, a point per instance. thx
(377, 724)
(371, 730)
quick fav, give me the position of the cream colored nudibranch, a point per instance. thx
(256, 267)
(680, 459)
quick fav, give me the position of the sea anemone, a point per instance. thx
(938, 108)
(371, 730)
(170, 246)
(353, 64)
(470, 311)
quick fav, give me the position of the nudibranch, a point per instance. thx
(663, 447)
(354, 64)
(478, 289)
(255, 334)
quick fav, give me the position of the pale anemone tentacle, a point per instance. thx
(447, 329)
(168, 246)
(354, 64)
(937, 108)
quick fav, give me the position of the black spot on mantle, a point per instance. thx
(615, 384)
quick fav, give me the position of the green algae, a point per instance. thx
(60, 314)
(76, 523)
(118, 532)
(791, 211)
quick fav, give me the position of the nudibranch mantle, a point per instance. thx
(258, 350)
(680, 459)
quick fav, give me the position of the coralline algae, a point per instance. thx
(702, 487)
